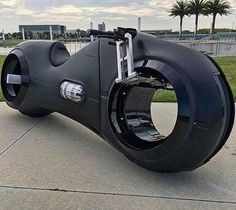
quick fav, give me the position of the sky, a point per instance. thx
(78, 14)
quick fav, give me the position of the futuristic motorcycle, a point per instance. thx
(108, 87)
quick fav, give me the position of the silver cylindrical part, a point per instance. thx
(72, 91)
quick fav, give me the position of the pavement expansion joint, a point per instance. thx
(18, 139)
(115, 194)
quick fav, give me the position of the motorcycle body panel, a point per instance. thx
(205, 102)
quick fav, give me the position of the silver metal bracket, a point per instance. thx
(124, 51)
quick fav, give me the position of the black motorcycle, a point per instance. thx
(108, 86)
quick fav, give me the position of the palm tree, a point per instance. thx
(197, 8)
(215, 7)
(180, 8)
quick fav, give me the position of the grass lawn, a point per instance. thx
(11, 42)
(228, 64)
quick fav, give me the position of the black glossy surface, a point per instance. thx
(59, 54)
(120, 113)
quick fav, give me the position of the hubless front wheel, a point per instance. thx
(204, 122)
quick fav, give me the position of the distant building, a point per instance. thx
(56, 29)
(102, 27)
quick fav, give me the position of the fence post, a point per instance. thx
(91, 27)
(51, 35)
(3, 38)
(23, 34)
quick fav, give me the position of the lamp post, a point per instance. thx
(139, 23)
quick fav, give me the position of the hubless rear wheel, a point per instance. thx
(205, 116)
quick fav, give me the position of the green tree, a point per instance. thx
(215, 7)
(180, 9)
(197, 8)
(46, 35)
(30, 34)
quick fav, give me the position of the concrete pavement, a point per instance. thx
(56, 163)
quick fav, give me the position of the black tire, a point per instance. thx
(205, 113)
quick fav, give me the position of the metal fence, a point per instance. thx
(212, 48)
(224, 45)
(73, 45)
(230, 37)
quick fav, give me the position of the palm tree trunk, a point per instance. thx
(196, 26)
(181, 27)
(213, 24)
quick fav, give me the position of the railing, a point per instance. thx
(73, 45)
(189, 37)
(225, 44)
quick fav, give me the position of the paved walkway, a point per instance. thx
(56, 163)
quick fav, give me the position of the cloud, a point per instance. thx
(16, 7)
(78, 13)
(132, 10)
